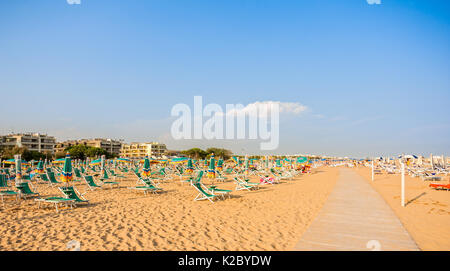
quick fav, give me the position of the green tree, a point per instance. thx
(219, 152)
(195, 153)
(82, 152)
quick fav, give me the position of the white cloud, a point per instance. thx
(72, 2)
(284, 107)
(376, 2)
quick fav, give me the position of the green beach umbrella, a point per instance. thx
(220, 164)
(66, 174)
(40, 167)
(146, 169)
(190, 166)
(212, 167)
(278, 164)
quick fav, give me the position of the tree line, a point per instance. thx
(76, 152)
(197, 153)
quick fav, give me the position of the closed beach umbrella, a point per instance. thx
(146, 169)
(190, 167)
(220, 164)
(18, 162)
(246, 165)
(211, 169)
(66, 174)
(278, 164)
(40, 167)
(103, 167)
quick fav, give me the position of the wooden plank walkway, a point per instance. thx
(355, 217)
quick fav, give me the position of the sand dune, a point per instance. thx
(272, 218)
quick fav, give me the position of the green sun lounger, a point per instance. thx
(148, 186)
(90, 182)
(202, 192)
(71, 192)
(25, 190)
(222, 192)
(52, 178)
(44, 178)
(6, 192)
(104, 179)
(242, 185)
(55, 201)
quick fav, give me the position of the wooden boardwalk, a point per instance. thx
(355, 217)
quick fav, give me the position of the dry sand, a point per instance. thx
(272, 218)
(427, 213)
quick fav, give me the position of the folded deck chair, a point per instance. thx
(71, 192)
(25, 190)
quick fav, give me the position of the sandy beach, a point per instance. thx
(272, 218)
(426, 215)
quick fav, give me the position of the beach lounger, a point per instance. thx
(241, 185)
(148, 186)
(430, 177)
(104, 179)
(5, 192)
(52, 178)
(25, 190)
(78, 175)
(71, 192)
(202, 192)
(44, 178)
(220, 177)
(55, 201)
(278, 176)
(223, 192)
(196, 179)
(440, 186)
(90, 182)
(116, 175)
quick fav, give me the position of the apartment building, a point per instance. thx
(31, 141)
(110, 145)
(140, 150)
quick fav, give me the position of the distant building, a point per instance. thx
(31, 141)
(140, 150)
(109, 145)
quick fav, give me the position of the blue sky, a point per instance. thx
(375, 78)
